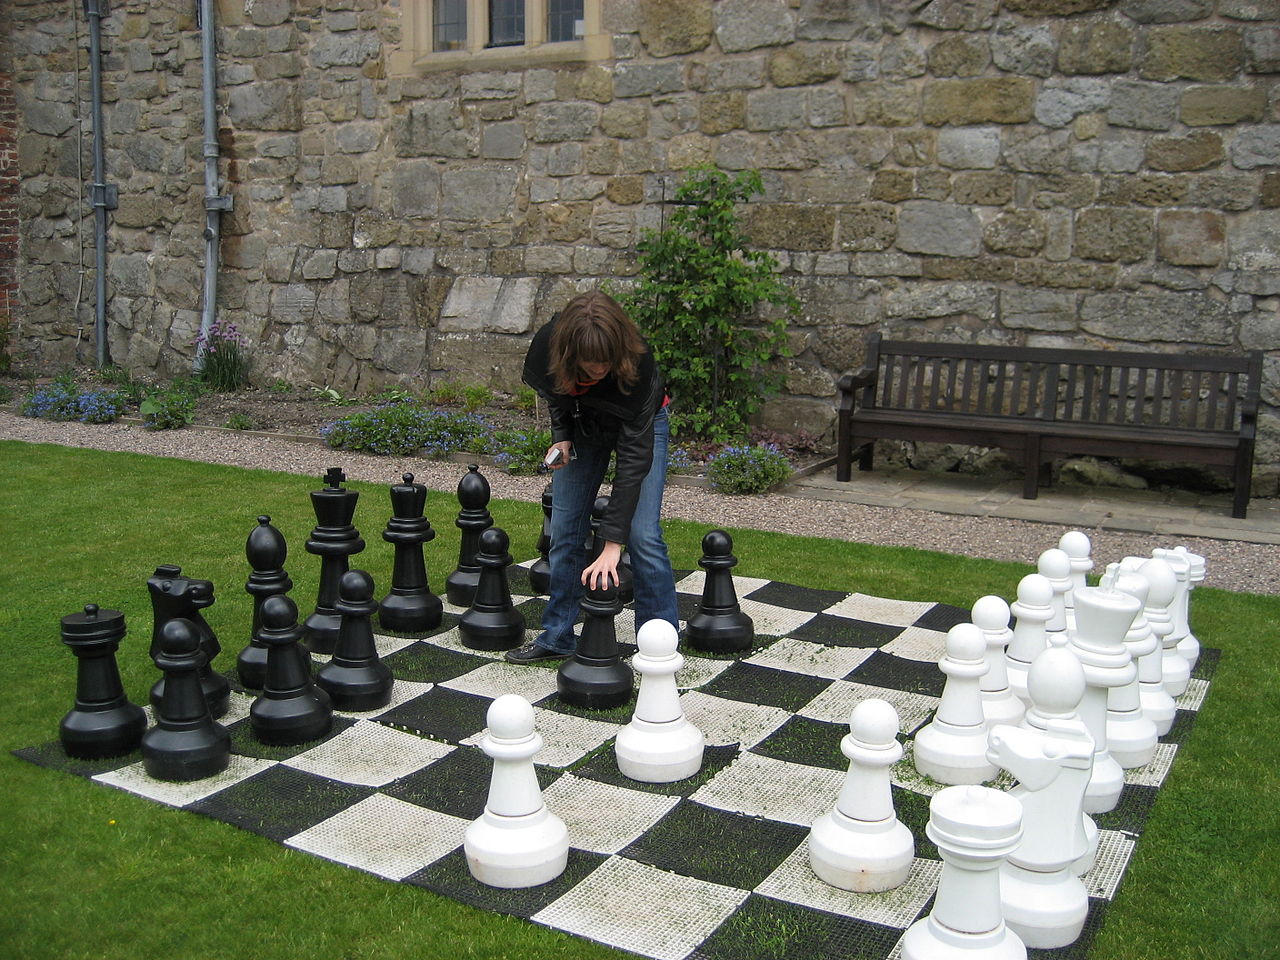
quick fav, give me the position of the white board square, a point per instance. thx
(699, 671)
(383, 835)
(402, 691)
(492, 680)
(566, 739)
(452, 640)
(835, 703)
(640, 908)
(1153, 774)
(135, 779)
(918, 643)
(1114, 851)
(370, 754)
(813, 659)
(695, 582)
(604, 818)
(1193, 697)
(724, 721)
(776, 789)
(896, 613)
(387, 644)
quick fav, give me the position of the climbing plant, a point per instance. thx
(700, 300)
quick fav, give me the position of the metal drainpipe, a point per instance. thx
(103, 196)
(214, 203)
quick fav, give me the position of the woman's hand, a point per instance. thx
(605, 568)
(565, 447)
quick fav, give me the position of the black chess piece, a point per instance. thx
(103, 723)
(492, 622)
(473, 519)
(266, 551)
(334, 540)
(356, 679)
(719, 625)
(540, 570)
(291, 709)
(596, 677)
(595, 543)
(186, 743)
(176, 596)
(410, 607)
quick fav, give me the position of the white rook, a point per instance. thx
(659, 745)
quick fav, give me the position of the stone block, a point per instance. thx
(1024, 48)
(1251, 242)
(893, 186)
(827, 108)
(925, 300)
(776, 110)
(1262, 49)
(739, 73)
(492, 359)
(804, 64)
(969, 148)
(556, 122)
(613, 228)
(669, 27)
(344, 49)
(266, 105)
(886, 264)
(1196, 151)
(490, 85)
(749, 24)
(1108, 233)
(1095, 47)
(785, 150)
(435, 129)
(884, 104)
(1269, 196)
(502, 141)
(1166, 11)
(790, 226)
(978, 100)
(564, 159)
(1148, 190)
(961, 55)
(942, 229)
(984, 188)
(293, 303)
(722, 112)
(648, 79)
(548, 259)
(1061, 101)
(867, 227)
(1157, 317)
(595, 83)
(1191, 238)
(1217, 105)
(1143, 106)
(320, 265)
(565, 222)
(1192, 53)
(478, 195)
(415, 189)
(489, 305)
(581, 188)
(1250, 9)
(624, 121)
(861, 62)
(1043, 311)
(1256, 147)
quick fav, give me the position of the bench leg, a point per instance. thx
(1243, 480)
(866, 454)
(844, 449)
(1031, 468)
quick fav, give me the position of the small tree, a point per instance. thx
(698, 300)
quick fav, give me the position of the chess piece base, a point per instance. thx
(594, 684)
(953, 755)
(356, 689)
(929, 940)
(860, 855)
(1131, 739)
(516, 852)
(410, 613)
(491, 630)
(1045, 910)
(321, 632)
(251, 665)
(720, 633)
(287, 723)
(659, 752)
(1103, 792)
(182, 755)
(112, 731)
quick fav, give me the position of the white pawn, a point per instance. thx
(1032, 612)
(517, 841)
(1057, 686)
(1177, 672)
(1188, 646)
(1162, 585)
(975, 828)
(1103, 618)
(952, 748)
(860, 844)
(1075, 544)
(659, 745)
(1055, 566)
(999, 705)
(1131, 735)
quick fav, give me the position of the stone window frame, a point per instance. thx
(415, 54)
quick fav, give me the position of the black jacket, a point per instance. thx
(605, 417)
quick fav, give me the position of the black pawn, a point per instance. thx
(492, 622)
(103, 722)
(356, 678)
(540, 571)
(719, 625)
(291, 709)
(595, 544)
(596, 677)
(175, 596)
(186, 743)
(334, 540)
(266, 551)
(473, 520)
(410, 607)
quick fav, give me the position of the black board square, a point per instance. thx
(687, 605)
(795, 598)
(1180, 728)
(1130, 813)
(913, 810)
(1206, 664)
(716, 845)
(518, 581)
(428, 663)
(280, 801)
(763, 927)
(457, 784)
(602, 766)
(441, 714)
(765, 685)
(899, 673)
(804, 740)
(246, 744)
(450, 877)
(942, 617)
(51, 756)
(447, 622)
(835, 631)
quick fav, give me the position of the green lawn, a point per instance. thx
(92, 872)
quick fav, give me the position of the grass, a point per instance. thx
(92, 872)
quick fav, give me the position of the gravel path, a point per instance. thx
(1231, 565)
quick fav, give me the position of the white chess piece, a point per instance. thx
(1131, 735)
(1162, 586)
(1188, 646)
(999, 705)
(952, 747)
(1075, 544)
(517, 841)
(860, 844)
(1177, 672)
(659, 745)
(1055, 566)
(1032, 612)
(975, 828)
(1103, 618)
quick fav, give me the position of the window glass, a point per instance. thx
(449, 27)
(506, 22)
(564, 20)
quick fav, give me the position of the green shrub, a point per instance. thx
(131, 389)
(475, 397)
(170, 407)
(241, 421)
(520, 451)
(280, 386)
(6, 393)
(525, 400)
(406, 428)
(64, 400)
(332, 397)
(446, 393)
(748, 469)
(222, 351)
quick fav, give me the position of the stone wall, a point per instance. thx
(1096, 172)
(8, 189)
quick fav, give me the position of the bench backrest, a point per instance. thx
(1080, 386)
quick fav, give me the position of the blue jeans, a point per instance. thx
(574, 488)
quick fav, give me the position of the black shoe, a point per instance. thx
(533, 653)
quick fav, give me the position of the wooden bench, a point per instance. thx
(1040, 403)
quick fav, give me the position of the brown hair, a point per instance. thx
(593, 328)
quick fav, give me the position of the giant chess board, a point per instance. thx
(711, 867)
